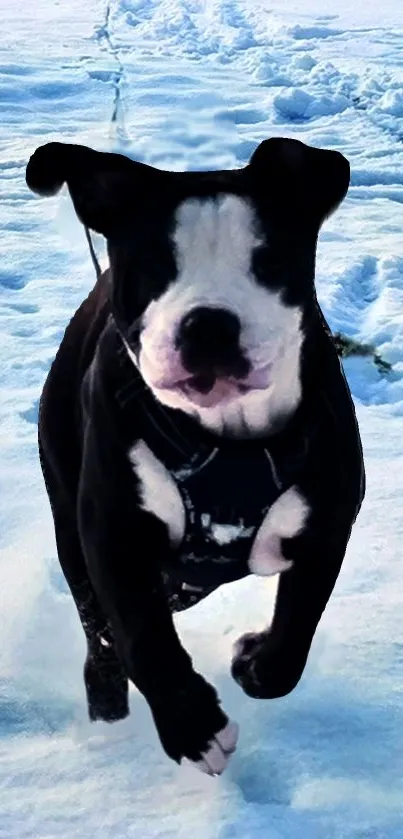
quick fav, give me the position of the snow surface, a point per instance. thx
(197, 84)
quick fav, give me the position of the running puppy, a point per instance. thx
(196, 426)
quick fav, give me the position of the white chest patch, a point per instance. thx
(159, 493)
(285, 519)
(161, 497)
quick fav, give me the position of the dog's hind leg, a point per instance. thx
(105, 680)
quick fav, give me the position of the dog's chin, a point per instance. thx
(192, 401)
(220, 395)
(189, 398)
(193, 393)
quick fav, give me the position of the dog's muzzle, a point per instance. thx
(208, 340)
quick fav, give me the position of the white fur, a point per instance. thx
(159, 492)
(213, 242)
(221, 748)
(285, 519)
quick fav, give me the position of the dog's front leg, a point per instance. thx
(123, 546)
(269, 664)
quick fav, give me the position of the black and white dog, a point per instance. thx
(196, 425)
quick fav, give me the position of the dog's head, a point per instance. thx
(212, 273)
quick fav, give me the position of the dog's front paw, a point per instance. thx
(262, 667)
(247, 651)
(215, 759)
(191, 725)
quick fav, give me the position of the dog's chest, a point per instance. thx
(226, 496)
(213, 503)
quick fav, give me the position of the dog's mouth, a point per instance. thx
(210, 389)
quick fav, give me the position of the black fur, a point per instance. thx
(111, 552)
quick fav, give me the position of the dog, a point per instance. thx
(196, 425)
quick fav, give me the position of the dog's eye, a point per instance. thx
(135, 331)
(262, 259)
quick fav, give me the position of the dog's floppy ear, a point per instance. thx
(300, 177)
(103, 186)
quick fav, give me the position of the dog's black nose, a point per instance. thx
(209, 339)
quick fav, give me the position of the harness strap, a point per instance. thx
(94, 258)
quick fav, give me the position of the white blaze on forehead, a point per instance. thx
(219, 232)
(213, 242)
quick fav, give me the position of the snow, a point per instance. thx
(197, 84)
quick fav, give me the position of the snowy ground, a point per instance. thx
(187, 84)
